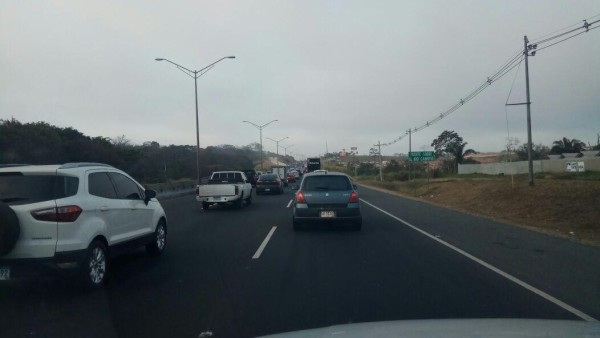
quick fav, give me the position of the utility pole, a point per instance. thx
(529, 143)
(380, 162)
(409, 151)
(526, 50)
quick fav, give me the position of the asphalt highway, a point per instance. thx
(244, 272)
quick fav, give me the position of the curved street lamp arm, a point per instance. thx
(256, 125)
(180, 66)
(212, 64)
(277, 141)
(204, 72)
(186, 72)
(266, 124)
(196, 73)
(260, 127)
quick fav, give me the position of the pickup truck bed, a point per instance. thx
(224, 188)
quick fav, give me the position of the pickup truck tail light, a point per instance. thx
(353, 197)
(237, 190)
(197, 190)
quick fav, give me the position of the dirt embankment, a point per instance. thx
(564, 207)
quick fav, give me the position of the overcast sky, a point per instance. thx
(334, 73)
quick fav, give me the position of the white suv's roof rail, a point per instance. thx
(8, 165)
(83, 164)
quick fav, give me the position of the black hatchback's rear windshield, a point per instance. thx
(16, 188)
(326, 183)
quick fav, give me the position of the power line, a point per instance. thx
(514, 61)
(565, 39)
(585, 26)
(559, 30)
(511, 64)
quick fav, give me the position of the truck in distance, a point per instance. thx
(312, 164)
(281, 171)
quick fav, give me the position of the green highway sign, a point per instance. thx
(421, 156)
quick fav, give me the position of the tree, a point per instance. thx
(367, 169)
(121, 141)
(41, 143)
(567, 146)
(450, 143)
(440, 144)
(393, 166)
(597, 146)
(538, 152)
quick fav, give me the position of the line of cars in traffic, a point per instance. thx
(322, 197)
(75, 216)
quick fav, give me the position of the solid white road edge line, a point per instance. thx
(539, 292)
(290, 203)
(264, 243)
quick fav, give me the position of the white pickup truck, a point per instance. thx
(225, 187)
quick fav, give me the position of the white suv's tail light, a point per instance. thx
(63, 214)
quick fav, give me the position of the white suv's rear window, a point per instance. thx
(17, 188)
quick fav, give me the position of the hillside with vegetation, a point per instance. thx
(150, 162)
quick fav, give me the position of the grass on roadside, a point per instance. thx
(565, 204)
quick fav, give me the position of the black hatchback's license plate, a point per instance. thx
(327, 214)
(4, 272)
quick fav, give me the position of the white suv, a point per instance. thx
(74, 216)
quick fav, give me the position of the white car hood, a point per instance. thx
(455, 328)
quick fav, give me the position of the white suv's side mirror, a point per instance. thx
(150, 194)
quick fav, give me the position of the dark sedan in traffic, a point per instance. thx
(326, 198)
(269, 183)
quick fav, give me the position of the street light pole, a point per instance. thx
(286, 148)
(261, 145)
(197, 74)
(277, 141)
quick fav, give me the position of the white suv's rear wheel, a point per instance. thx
(93, 270)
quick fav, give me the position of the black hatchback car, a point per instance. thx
(326, 198)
